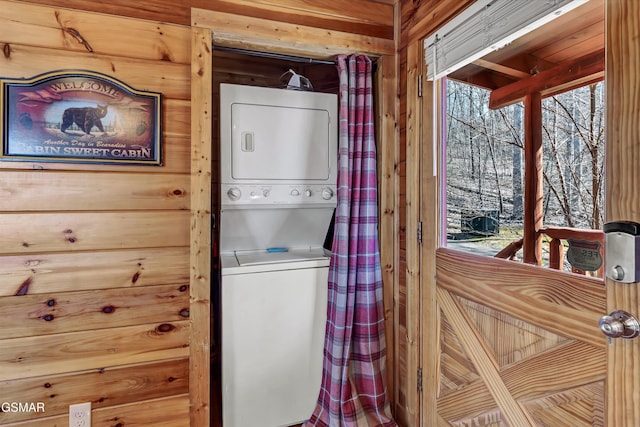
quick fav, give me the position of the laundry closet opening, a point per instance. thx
(235, 67)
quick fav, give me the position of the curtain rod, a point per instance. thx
(273, 55)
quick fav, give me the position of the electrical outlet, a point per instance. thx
(80, 415)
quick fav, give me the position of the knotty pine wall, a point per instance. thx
(418, 201)
(94, 259)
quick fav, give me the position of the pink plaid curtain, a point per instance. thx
(353, 392)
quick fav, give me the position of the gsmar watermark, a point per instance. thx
(22, 407)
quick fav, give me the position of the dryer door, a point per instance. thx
(279, 143)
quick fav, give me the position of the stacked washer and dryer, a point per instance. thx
(278, 194)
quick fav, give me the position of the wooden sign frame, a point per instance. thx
(79, 116)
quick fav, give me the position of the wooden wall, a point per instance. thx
(94, 284)
(415, 262)
(368, 18)
(95, 259)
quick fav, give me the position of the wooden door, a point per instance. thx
(518, 345)
(623, 199)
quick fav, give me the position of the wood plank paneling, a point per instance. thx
(355, 16)
(65, 272)
(369, 18)
(514, 413)
(171, 79)
(62, 29)
(387, 159)
(430, 215)
(622, 182)
(82, 239)
(200, 229)
(545, 375)
(118, 385)
(94, 259)
(413, 189)
(422, 18)
(555, 295)
(93, 348)
(84, 231)
(176, 159)
(31, 191)
(44, 314)
(177, 118)
(256, 33)
(165, 412)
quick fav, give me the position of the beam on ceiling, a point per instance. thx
(499, 68)
(586, 68)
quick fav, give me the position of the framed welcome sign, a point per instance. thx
(79, 116)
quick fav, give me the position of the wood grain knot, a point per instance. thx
(24, 287)
(165, 327)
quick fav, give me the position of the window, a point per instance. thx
(524, 129)
(485, 167)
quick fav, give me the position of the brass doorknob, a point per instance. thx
(620, 324)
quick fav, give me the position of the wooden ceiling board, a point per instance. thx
(356, 16)
(566, 38)
(556, 31)
(371, 18)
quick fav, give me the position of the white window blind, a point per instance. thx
(485, 26)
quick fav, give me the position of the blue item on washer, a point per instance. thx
(272, 250)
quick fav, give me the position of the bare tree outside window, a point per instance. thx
(573, 131)
(485, 165)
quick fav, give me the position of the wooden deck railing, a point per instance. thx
(556, 245)
(509, 252)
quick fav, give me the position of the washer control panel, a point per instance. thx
(247, 195)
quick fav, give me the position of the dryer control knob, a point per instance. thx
(234, 193)
(327, 193)
(308, 193)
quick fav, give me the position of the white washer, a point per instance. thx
(274, 308)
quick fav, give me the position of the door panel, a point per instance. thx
(519, 345)
(622, 198)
